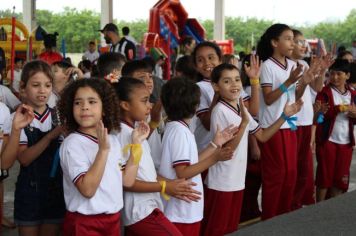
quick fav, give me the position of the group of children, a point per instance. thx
(175, 161)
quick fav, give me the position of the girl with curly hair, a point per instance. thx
(91, 159)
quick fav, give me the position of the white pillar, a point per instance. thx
(106, 16)
(29, 14)
(219, 22)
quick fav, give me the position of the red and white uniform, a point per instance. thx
(179, 148)
(138, 206)
(77, 154)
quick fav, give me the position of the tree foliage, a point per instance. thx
(79, 27)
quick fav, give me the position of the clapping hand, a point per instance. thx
(140, 133)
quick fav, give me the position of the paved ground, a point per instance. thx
(10, 185)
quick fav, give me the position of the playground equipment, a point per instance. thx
(168, 24)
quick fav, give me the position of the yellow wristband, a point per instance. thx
(163, 184)
(254, 81)
(136, 151)
(153, 124)
(343, 108)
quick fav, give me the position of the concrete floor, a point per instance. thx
(10, 185)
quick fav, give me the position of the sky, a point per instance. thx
(298, 12)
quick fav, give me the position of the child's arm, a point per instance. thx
(26, 155)
(139, 134)
(205, 117)
(23, 116)
(155, 116)
(253, 72)
(263, 135)
(88, 183)
(178, 188)
(270, 96)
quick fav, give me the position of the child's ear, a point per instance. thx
(215, 87)
(124, 105)
(274, 43)
(348, 76)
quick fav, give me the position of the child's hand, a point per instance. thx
(320, 107)
(295, 74)
(55, 132)
(224, 154)
(326, 62)
(74, 70)
(23, 117)
(293, 109)
(183, 190)
(140, 133)
(352, 111)
(253, 71)
(156, 111)
(103, 137)
(222, 137)
(244, 113)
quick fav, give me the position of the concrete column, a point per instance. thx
(106, 16)
(29, 14)
(219, 22)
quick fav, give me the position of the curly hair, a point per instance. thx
(180, 98)
(108, 99)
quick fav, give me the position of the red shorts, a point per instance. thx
(154, 224)
(333, 168)
(76, 224)
(221, 212)
(192, 229)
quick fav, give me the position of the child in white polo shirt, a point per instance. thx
(226, 180)
(180, 158)
(91, 159)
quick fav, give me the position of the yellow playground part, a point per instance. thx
(21, 45)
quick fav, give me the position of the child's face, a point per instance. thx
(338, 78)
(19, 65)
(139, 106)
(300, 47)
(59, 75)
(37, 90)
(229, 86)
(146, 78)
(87, 108)
(348, 57)
(206, 60)
(285, 43)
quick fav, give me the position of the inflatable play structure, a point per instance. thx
(168, 25)
(24, 42)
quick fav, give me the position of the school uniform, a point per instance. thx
(202, 135)
(5, 116)
(305, 173)
(226, 179)
(334, 140)
(98, 215)
(143, 212)
(39, 196)
(7, 97)
(279, 153)
(179, 148)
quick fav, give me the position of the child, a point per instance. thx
(64, 73)
(110, 65)
(7, 97)
(140, 70)
(334, 136)
(206, 55)
(180, 159)
(15, 83)
(225, 180)
(279, 159)
(90, 157)
(143, 207)
(39, 203)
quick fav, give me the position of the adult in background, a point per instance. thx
(120, 45)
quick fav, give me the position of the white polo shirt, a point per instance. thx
(306, 114)
(43, 122)
(4, 117)
(340, 132)
(228, 176)
(7, 97)
(179, 148)
(77, 154)
(273, 74)
(138, 206)
(203, 136)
